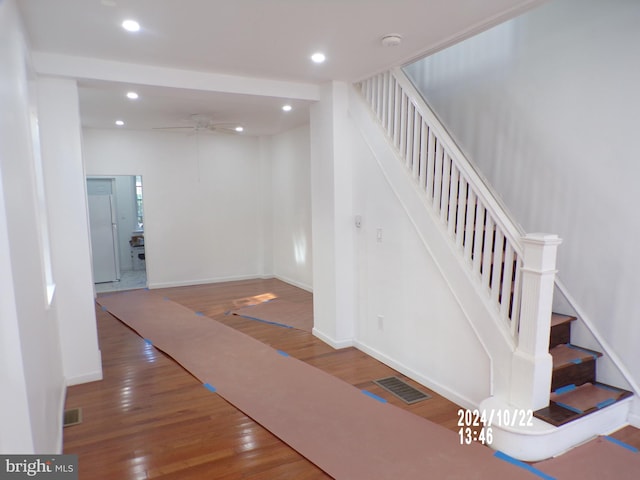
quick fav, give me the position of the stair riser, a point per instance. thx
(575, 374)
(560, 334)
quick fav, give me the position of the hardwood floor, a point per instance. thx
(149, 418)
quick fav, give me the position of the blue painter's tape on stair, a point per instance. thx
(576, 361)
(148, 342)
(569, 407)
(602, 386)
(284, 354)
(209, 387)
(374, 396)
(565, 389)
(104, 309)
(621, 443)
(605, 403)
(200, 314)
(583, 350)
(526, 466)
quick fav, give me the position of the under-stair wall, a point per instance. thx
(501, 280)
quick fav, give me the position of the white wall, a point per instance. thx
(201, 200)
(547, 106)
(31, 373)
(289, 154)
(65, 186)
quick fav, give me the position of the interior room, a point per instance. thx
(444, 194)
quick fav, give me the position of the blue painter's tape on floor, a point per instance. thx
(284, 354)
(569, 407)
(200, 314)
(622, 444)
(565, 389)
(374, 396)
(104, 309)
(209, 387)
(266, 321)
(148, 342)
(526, 466)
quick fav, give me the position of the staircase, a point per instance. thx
(575, 392)
(503, 275)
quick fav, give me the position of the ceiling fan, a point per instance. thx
(202, 123)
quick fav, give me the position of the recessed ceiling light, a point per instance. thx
(239, 129)
(318, 57)
(131, 25)
(286, 108)
(119, 123)
(132, 95)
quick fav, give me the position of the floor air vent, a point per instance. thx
(72, 416)
(401, 389)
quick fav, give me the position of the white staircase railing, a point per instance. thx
(491, 244)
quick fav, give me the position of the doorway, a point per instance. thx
(116, 222)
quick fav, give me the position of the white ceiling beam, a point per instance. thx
(83, 68)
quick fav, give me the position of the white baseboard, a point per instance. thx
(202, 281)
(418, 377)
(295, 283)
(337, 344)
(634, 414)
(85, 378)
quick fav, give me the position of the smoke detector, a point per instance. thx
(391, 40)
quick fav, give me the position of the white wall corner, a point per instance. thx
(634, 413)
(333, 342)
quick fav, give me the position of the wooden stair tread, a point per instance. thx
(559, 319)
(567, 354)
(586, 397)
(572, 403)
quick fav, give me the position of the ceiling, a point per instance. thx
(252, 39)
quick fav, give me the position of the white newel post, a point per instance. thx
(532, 363)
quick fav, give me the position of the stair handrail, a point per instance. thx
(514, 271)
(514, 231)
(428, 150)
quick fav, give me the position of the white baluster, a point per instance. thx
(462, 211)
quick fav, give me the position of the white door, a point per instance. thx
(102, 223)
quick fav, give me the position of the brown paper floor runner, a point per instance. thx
(333, 424)
(601, 459)
(280, 312)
